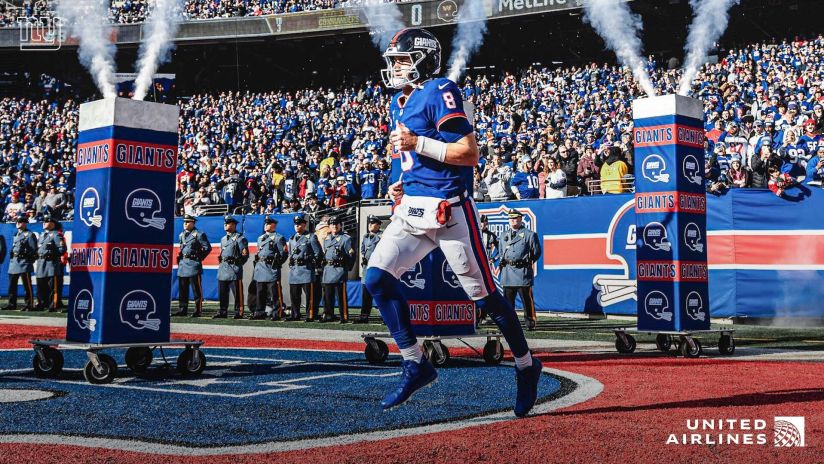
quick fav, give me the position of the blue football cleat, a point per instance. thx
(527, 387)
(415, 376)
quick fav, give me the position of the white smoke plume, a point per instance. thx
(620, 29)
(155, 49)
(384, 20)
(708, 24)
(469, 36)
(88, 21)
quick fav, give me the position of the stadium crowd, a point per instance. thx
(544, 133)
(135, 11)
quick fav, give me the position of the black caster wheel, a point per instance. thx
(663, 342)
(726, 345)
(188, 364)
(691, 352)
(138, 359)
(493, 352)
(51, 367)
(437, 353)
(102, 375)
(625, 347)
(376, 351)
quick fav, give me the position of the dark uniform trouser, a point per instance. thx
(330, 291)
(197, 289)
(318, 292)
(26, 278)
(366, 301)
(234, 286)
(309, 292)
(58, 293)
(46, 292)
(269, 291)
(526, 299)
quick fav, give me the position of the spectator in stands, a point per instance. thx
(556, 180)
(737, 176)
(588, 170)
(815, 167)
(568, 162)
(14, 209)
(760, 165)
(524, 183)
(497, 177)
(613, 171)
(779, 181)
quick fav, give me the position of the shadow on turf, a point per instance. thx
(801, 395)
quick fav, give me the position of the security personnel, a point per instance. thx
(338, 259)
(21, 264)
(489, 238)
(61, 269)
(305, 255)
(271, 255)
(368, 244)
(520, 249)
(50, 247)
(234, 252)
(194, 248)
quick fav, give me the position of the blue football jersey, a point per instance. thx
(526, 183)
(425, 110)
(369, 183)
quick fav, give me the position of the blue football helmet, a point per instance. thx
(695, 307)
(692, 238)
(655, 237)
(423, 51)
(83, 309)
(449, 276)
(654, 169)
(90, 207)
(413, 277)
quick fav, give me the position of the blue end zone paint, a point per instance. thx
(250, 396)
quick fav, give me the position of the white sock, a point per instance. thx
(413, 353)
(524, 361)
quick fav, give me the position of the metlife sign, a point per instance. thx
(516, 7)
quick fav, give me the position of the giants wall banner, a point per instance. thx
(670, 214)
(122, 253)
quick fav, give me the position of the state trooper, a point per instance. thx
(490, 242)
(305, 255)
(520, 249)
(61, 269)
(489, 238)
(234, 252)
(194, 248)
(50, 247)
(21, 264)
(271, 255)
(338, 259)
(368, 244)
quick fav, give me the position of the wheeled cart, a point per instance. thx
(102, 368)
(493, 352)
(683, 341)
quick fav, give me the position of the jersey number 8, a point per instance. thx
(449, 99)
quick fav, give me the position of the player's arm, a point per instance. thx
(463, 152)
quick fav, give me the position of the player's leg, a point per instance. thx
(397, 251)
(463, 248)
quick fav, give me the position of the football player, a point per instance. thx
(437, 151)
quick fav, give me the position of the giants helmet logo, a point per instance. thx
(655, 237)
(82, 310)
(654, 169)
(657, 306)
(412, 277)
(692, 237)
(695, 307)
(137, 309)
(143, 207)
(693, 170)
(449, 276)
(620, 242)
(89, 206)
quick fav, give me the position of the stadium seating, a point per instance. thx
(237, 147)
